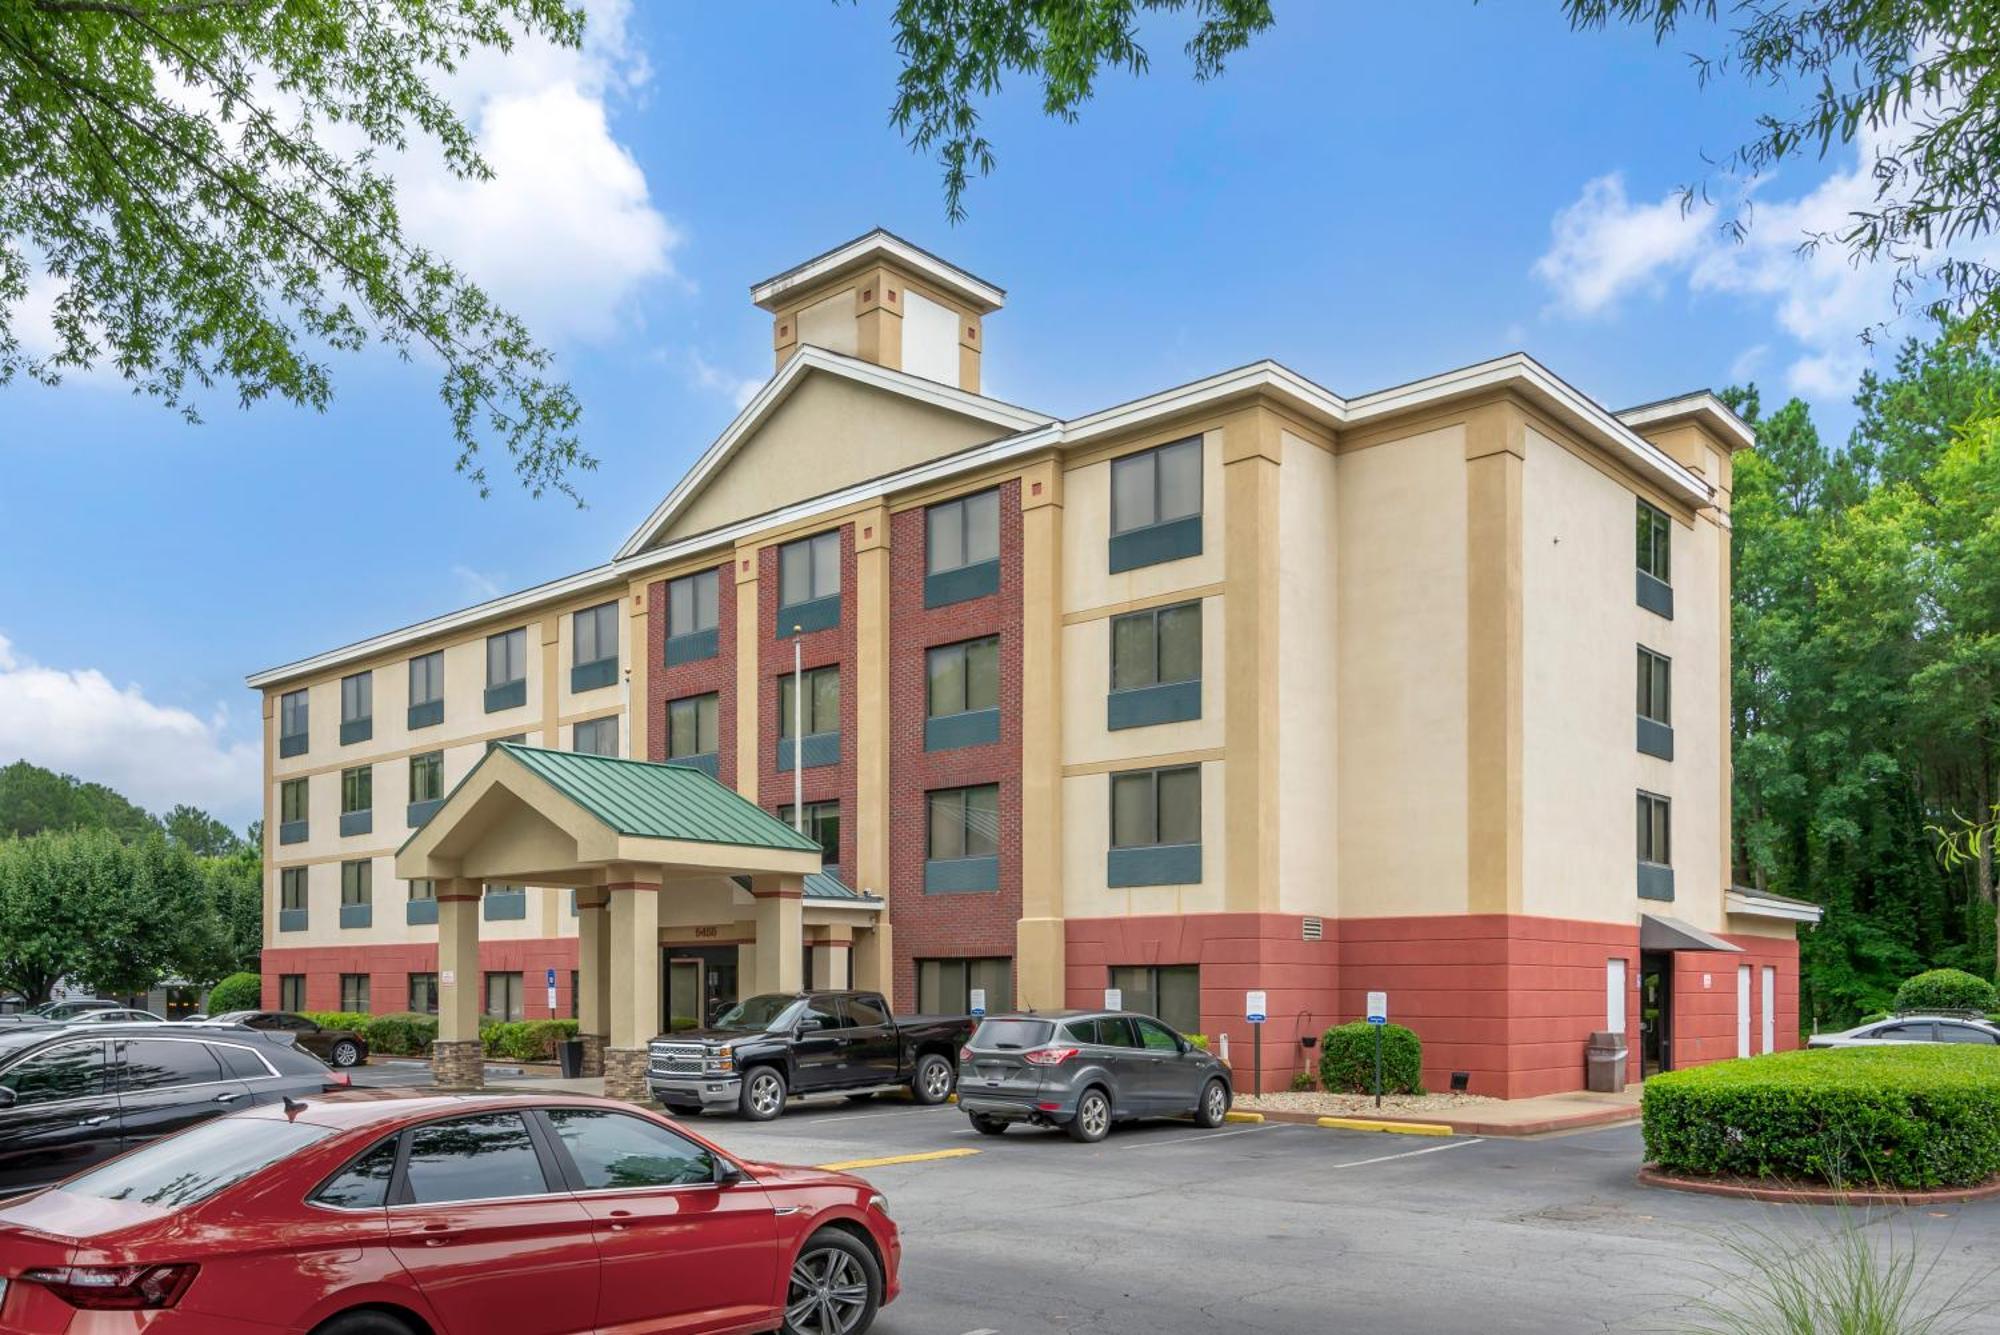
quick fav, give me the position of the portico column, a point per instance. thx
(456, 1059)
(593, 983)
(781, 931)
(634, 1002)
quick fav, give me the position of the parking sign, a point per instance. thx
(1114, 999)
(1254, 1007)
(1378, 1008)
(978, 1001)
(552, 991)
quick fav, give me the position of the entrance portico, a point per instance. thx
(639, 844)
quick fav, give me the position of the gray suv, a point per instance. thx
(1083, 1070)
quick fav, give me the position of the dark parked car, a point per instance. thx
(1084, 1070)
(72, 1097)
(335, 1047)
(764, 1049)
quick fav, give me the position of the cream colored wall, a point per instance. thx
(829, 323)
(1581, 766)
(1309, 641)
(1087, 840)
(829, 434)
(1401, 575)
(930, 338)
(1086, 665)
(1087, 579)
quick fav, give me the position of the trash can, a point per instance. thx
(1605, 1059)
(569, 1056)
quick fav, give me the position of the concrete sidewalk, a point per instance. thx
(1549, 1114)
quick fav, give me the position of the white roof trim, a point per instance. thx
(1749, 904)
(880, 242)
(779, 388)
(1702, 403)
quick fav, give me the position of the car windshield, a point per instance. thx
(754, 1015)
(1012, 1035)
(194, 1165)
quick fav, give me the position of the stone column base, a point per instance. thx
(458, 1064)
(593, 1053)
(625, 1075)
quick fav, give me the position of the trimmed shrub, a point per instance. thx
(404, 1035)
(1911, 1115)
(526, 1040)
(238, 992)
(338, 1019)
(1946, 989)
(1304, 1082)
(1347, 1059)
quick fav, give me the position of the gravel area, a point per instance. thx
(1357, 1105)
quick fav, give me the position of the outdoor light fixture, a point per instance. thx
(1459, 1080)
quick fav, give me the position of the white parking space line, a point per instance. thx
(1408, 1154)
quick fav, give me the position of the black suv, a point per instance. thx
(70, 1098)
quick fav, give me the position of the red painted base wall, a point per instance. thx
(389, 968)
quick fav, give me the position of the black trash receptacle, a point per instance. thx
(569, 1056)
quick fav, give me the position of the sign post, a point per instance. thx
(1254, 1010)
(1378, 1016)
(552, 991)
(978, 1003)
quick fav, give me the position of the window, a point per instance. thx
(964, 677)
(292, 991)
(1954, 1033)
(504, 903)
(506, 670)
(823, 824)
(1655, 543)
(1655, 686)
(692, 617)
(946, 986)
(423, 889)
(1157, 646)
(182, 1170)
(809, 570)
(822, 703)
(239, 1063)
(473, 1159)
(151, 1063)
(596, 737)
(1655, 827)
(864, 1011)
(1151, 807)
(357, 789)
(357, 707)
(427, 690)
(357, 887)
(503, 996)
(594, 647)
(421, 909)
(294, 723)
(424, 993)
(1156, 486)
(613, 1151)
(292, 899)
(354, 993)
(72, 1071)
(692, 726)
(1170, 991)
(961, 533)
(363, 1184)
(427, 777)
(965, 822)
(293, 826)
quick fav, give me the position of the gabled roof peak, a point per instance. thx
(873, 246)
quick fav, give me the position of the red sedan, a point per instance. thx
(388, 1213)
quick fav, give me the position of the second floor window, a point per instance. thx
(691, 604)
(809, 569)
(1655, 687)
(292, 888)
(421, 890)
(822, 823)
(1655, 829)
(357, 884)
(691, 726)
(964, 677)
(357, 698)
(357, 789)
(596, 639)
(964, 822)
(427, 776)
(596, 737)
(506, 658)
(1160, 806)
(1655, 543)
(292, 798)
(1156, 647)
(294, 722)
(1156, 486)
(822, 702)
(960, 533)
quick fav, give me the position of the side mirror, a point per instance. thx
(727, 1174)
(6, 1098)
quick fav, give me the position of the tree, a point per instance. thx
(51, 887)
(175, 169)
(200, 833)
(33, 799)
(152, 922)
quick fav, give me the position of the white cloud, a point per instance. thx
(738, 389)
(1605, 247)
(77, 722)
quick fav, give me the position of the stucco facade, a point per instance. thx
(1400, 757)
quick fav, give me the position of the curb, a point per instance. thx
(1464, 1126)
(1653, 1177)
(1383, 1124)
(1234, 1116)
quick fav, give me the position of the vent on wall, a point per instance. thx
(1310, 929)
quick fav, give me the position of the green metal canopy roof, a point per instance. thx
(648, 801)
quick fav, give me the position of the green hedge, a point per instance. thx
(410, 1035)
(1909, 1115)
(1347, 1059)
(1945, 989)
(238, 992)
(526, 1040)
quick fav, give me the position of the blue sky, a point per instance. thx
(1371, 194)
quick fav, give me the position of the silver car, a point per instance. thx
(1911, 1029)
(1084, 1070)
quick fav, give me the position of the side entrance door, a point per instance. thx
(1656, 1013)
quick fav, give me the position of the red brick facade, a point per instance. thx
(950, 925)
(834, 645)
(389, 968)
(718, 674)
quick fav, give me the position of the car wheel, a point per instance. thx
(346, 1053)
(763, 1095)
(1213, 1109)
(990, 1126)
(1093, 1117)
(933, 1080)
(372, 1322)
(835, 1288)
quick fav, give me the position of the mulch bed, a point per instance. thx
(1814, 1193)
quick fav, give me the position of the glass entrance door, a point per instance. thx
(701, 984)
(1656, 1013)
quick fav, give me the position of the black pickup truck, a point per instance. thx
(766, 1048)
